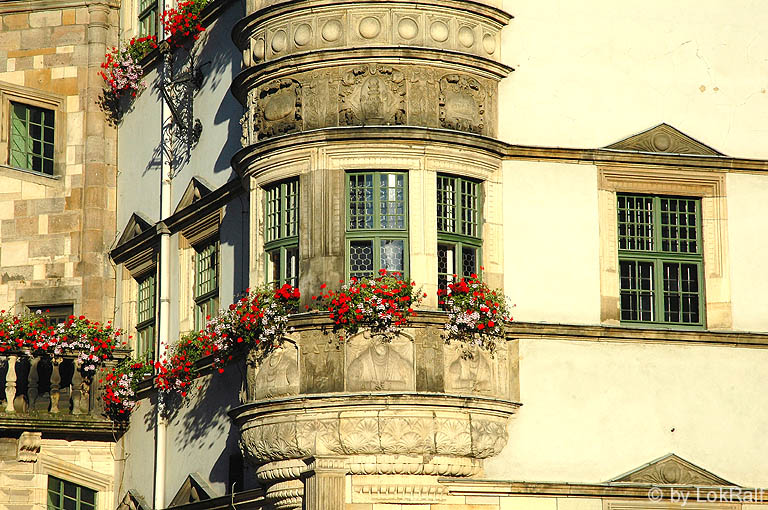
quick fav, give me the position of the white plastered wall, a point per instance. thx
(551, 242)
(595, 410)
(748, 238)
(590, 73)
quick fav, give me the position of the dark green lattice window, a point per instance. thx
(660, 260)
(32, 138)
(206, 282)
(148, 11)
(377, 223)
(145, 323)
(458, 228)
(282, 233)
(64, 495)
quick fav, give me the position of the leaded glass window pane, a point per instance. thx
(32, 138)
(361, 201)
(446, 204)
(360, 259)
(392, 200)
(392, 255)
(274, 210)
(146, 299)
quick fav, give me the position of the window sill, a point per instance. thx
(29, 175)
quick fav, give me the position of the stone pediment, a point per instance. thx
(196, 189)
(671, 470)
(137, 224)
(194, 489)
(132, 501)
(666, 140)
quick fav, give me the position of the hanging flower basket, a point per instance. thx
(122, 73)
(477, 314)
(183, 22)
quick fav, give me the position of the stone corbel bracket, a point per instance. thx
(378, 433)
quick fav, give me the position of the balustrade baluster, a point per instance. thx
(77, 381)
(10, 384)
(55, 382)
(34, 382)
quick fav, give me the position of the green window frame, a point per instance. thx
(206, 282)
(281, 236)
(145, 320)
(148, 17)
(459, 228)
(376, 223)
(32, 138)
(661, 278)
(64, 495)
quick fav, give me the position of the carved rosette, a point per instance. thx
(278, 108)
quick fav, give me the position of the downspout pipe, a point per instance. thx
(164, 273)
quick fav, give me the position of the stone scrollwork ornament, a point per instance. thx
(279, 108)
(462, 104)
(372, 95)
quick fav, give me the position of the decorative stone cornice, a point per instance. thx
(308, 25)
(437, 434)
(244, 160)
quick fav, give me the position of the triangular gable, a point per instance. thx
(132, 501)
(664, 139)
(671, 470)
(196, 189)
(194, 489)
(137, 224)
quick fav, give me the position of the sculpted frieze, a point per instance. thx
(278, 108)
(462, 104)
(372, 95)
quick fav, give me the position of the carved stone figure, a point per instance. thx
(470, 374)
(462, 104)
(276, 375)
(372, 95)
(379, 367)
(278, 109)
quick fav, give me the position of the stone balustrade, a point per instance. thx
(41, 392)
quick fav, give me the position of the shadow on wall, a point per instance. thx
(234, 234)
(220, 61)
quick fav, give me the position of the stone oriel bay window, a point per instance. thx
(353, 193)
(32, 130)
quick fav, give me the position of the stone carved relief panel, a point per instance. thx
(368, 95)
(322, 364)
(374, 364)
(479, 374)
(462, 104)
(372, 95)
(278, 108)
(274, 375)
(431, 26)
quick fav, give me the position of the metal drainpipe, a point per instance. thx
(164, 274)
